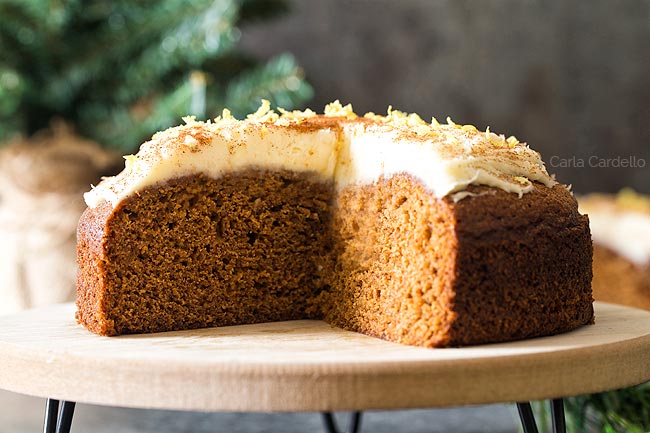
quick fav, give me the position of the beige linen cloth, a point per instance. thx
(42, 181)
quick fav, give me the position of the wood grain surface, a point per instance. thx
(310, 366)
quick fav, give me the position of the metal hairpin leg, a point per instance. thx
(330, 423)
(51, 413)
(64, 422)
(528, 418)
(61, 425)
(557, 412)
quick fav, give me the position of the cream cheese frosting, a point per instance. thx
(338, 146)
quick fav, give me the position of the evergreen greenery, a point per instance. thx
(120, 70)
(625, 410)
(622, 411)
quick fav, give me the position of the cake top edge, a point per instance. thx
(338, 145)
(335, 113)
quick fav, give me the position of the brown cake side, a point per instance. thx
(523, 267)
(388, 259)
(197, 252)
(492, 267)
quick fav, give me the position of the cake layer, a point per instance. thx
(429, 272)
(387, 259)
(248, 247)
(425, 234)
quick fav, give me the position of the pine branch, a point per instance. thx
(126, 30)
(621, 411)
(50, 15)
(88, 60)
(188, 44)
(280, 81)
(228, 66)
(12, 89)
(124, 127)
(119, 70)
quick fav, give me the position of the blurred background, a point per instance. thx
(571, 78)
(84, 82)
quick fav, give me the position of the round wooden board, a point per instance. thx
(311, 366)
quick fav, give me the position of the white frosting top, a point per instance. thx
(620, 223)
(338, 145)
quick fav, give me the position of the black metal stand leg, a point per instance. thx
(527, 417)
(331, 427)
(61, 425)
(51, 412)
(557, 413)
(65, 417)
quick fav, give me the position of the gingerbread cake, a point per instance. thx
(620, 227)
(419, 233)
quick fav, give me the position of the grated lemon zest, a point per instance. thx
(296, 114)
(469, 128)
(336, 109)
(129, 161)
(264, 113)
(512, 141)
(225, 117)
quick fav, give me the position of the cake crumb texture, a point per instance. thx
(199, 252)
(387, 259)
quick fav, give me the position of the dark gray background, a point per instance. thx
(571, 78)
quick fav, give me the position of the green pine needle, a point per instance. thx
(280, 81)
(622, 411)
(121, 70)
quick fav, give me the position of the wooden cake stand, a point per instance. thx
(310, 366)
